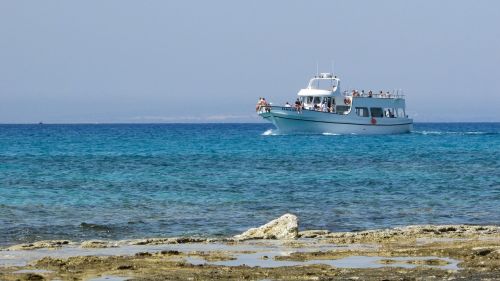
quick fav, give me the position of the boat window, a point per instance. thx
(343, 109)
(309, 99)
(317, 99)
(400, 112)
(377, 112)
(389, 112)
(329, 102)
(362, 111)
(324, 84)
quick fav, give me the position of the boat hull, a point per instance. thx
(289, 121)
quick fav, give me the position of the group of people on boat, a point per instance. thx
(356, 93)
(298, 105)
(262, 104)
(322, 106)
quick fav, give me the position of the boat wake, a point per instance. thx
(452, 133)
(271, 132)
(330, 134)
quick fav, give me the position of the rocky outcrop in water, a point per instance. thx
(284, 227)
(39, 245)
(171, 240)
(413, 232)
(97, 244)
(312, 233)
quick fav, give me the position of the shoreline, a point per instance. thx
(443, 251)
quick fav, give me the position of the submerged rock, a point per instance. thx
(284, 227)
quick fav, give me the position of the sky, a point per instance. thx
(122, 61)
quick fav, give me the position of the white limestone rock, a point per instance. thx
(284, 227)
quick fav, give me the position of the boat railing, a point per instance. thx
(394, 94)
(268, 108)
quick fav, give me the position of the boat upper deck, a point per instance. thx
(326, 84)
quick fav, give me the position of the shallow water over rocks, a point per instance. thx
(267, 259)
(261, 253)
(23, 257)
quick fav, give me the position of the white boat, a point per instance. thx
(322, 108)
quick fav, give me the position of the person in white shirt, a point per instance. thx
(323, 107)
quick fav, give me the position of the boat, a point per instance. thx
(323, 108)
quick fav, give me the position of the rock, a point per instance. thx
(312, 233)
(39, 245)
(482, 251)
(125, 267)
(284, 227)
(172, 240)
(170, 252)
(412, 232)
(96, 244)
(34, 277)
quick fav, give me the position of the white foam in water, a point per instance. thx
(448, 133)
(330, 134)
(270, 132)
(475, 133)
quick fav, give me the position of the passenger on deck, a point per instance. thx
(381, 94)
(323, 107)
(370, 94)
(266, 105)
(287, 104)
(298, 105)
(362, 93)
(259, 105)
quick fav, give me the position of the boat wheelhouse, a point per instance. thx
(323, 108)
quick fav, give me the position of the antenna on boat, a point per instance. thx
(317, 74)
(333, 73)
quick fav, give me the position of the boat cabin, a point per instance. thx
(320, 91)
(323, 93)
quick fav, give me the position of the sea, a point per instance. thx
(121, 181)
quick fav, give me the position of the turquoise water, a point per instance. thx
(123, 181)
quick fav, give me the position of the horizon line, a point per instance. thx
(208, 123)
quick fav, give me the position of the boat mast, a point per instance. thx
(317, 74)
(333, 73)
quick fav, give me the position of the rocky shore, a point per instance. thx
(274, 251)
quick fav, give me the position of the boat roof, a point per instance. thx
(311, 90)
(322, 76)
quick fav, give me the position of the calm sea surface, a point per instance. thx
(123, 181)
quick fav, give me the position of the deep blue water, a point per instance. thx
(123, 181)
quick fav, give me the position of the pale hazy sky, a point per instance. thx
(209, 61)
